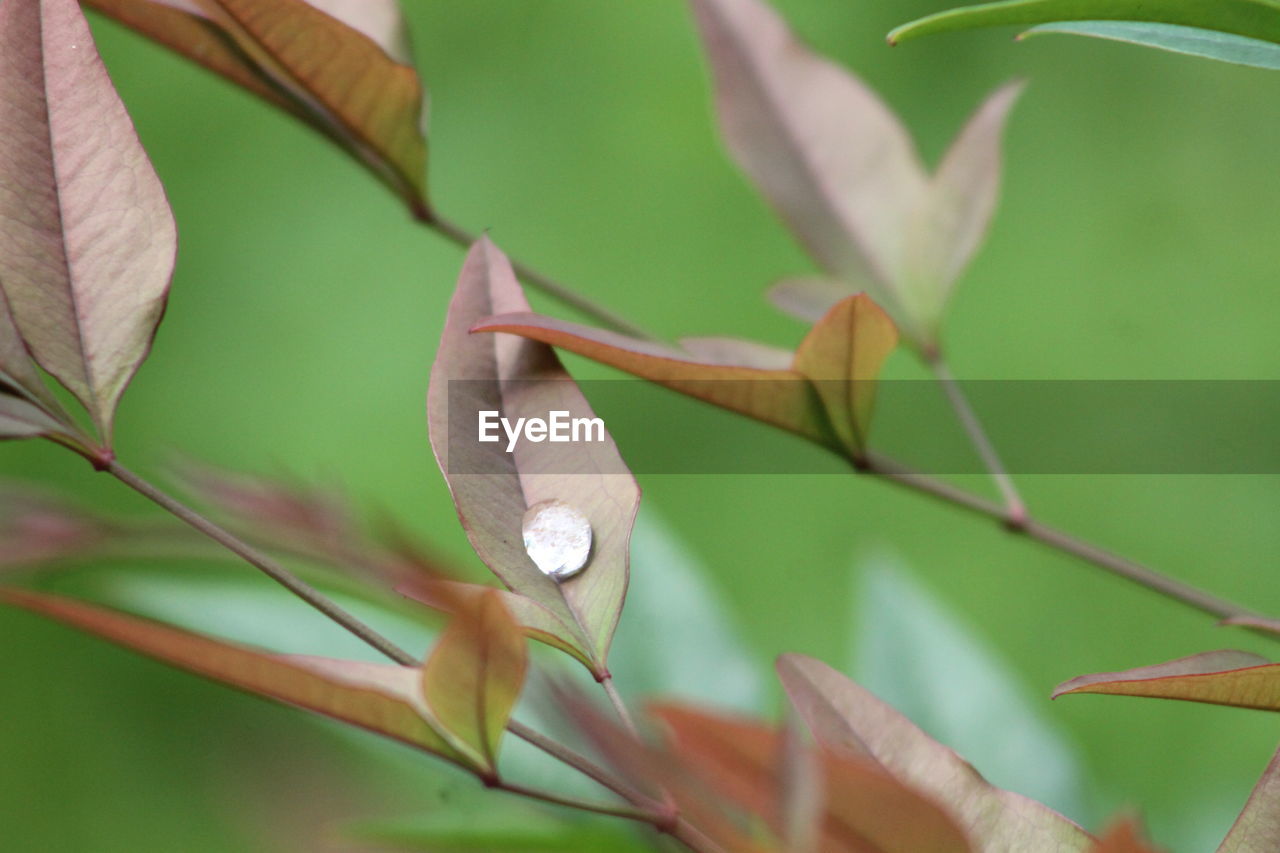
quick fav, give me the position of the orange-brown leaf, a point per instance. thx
(867, 809)
(381, 698)
(1124, 836)
(475, 673)
(1235, 678)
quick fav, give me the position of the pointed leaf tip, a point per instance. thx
(77, 184)
(474, 676)
(381, 698)
(495, 482)
(1236, 678)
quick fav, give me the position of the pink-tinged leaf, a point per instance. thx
(381, 698)
(1257, 829)
(17, 371)
(731, 352)
(825, 395)
(21, 419)
(474, 676)
(778, 397)
(866, 809)
(844, 715)
(841, 170)
(827, 153)
(1258, 623)
(949, 225)
(666, 776)
(1124, 836)
(350, 86)
(809, 298)
(87, 241)
(842, 356)
(1235, 678)
(492, 488)
(537, 622)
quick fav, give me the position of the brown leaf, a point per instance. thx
(475, 673)
(381, 698)
(867, 810)
(1235, 678)
(87, 240)
(492, 488)
(351, 87)
(341, 66)
(825, 394)
(843, 715)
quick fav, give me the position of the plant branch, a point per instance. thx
(1015, 508)
(263, 563)
(615, 698)
(623, 812)
(337, 614)
(545, 284)
(890, 471)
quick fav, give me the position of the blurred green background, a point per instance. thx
(1136, 239)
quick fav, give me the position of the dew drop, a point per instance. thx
(557, 538)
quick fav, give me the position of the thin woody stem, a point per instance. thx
(1013, 514)
(1015, 508)
(890, 471)
(462, 237)
(658, 815)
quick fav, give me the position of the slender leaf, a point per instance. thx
(185, 28)
(381, 698)
(825, 395)
(917, 655)
(1190, 41)
(808, 298)
(17, 370)
(844, 715)
(945, 230)
(1236, 678)
(475, 674)
(842, 356)
(843, 173)
(1257, 829)
(867, 810)
(87, 240)
(1258, 19)
(21, 419)
(348, 83)
(492, 488)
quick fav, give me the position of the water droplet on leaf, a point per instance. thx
(558, 538)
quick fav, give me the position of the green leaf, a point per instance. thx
(1225, 47)
(703, 657)
(475, 674)
(492, 489)
(913, 653)
(826, 395)
(1256, 19)
(381, 698)
(1241, 679)
(87, 241)
(844, 715)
